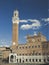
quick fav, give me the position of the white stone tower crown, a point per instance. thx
(15, 18)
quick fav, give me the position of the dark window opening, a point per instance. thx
(23, 54)
(43, 53)
(12, 56)
(20, 60)
(36, 60)
(39, 60)
(39, 53)
(35, 53)
(26, 54)
(29, 46)
(29, 54)
(30, 60)
(26, 46)
(20, 54)
(44, 60)
(48, 59)
(23, 47)
(26, 60)
(17, 60)
(38, 46)
(33, 60)
(32, 46)
(20, 47)
(35, 46)
(23, 61)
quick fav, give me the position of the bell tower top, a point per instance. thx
(15, 18)
(16, 13)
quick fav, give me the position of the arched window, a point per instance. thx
(33, 60)
(23, 61)
(39, 60)
(48, 59)
(36, 60)
(30, 60)
(44, 60)
(17, 60)
(20, 60)
(12, 56)
(26, 60)
(39, 53)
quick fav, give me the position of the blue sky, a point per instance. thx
(34, 16)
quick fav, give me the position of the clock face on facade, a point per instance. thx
(33, 40)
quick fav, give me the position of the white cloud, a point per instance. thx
(33, 20)
(35, 25)
(23, 21)
(30, 20)
(27, 26)
(46, 19)
(5, 43)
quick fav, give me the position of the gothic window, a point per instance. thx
(33, 60)
(35, 53)
(39, 53)
(17, 60)
(38, 46)
(45, 46)
(12, 56)
(20, 54)
(39, 60)
(36, 60)
(35, 46)
(26, 46)
(29, 46)
(48, 59)
(44, 60)
(23, 54)
(47, 53)
(26, 54)
(29, 54)
(43, 53)
(32, 46)
(20, 60)
(32, 53)
(30, 60)
(23, 61)
(26, 60)
(20, 47)
(23, 47)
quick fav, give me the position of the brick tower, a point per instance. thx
(15, 21)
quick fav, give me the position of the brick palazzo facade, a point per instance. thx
(35, 50)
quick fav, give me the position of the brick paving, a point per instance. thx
(19, 64)
(5, 63)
